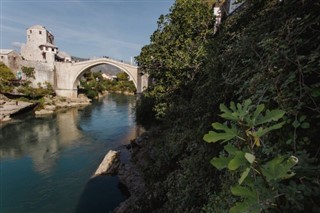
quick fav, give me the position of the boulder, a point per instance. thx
(50, 107)
(48, 100)
(109, 164)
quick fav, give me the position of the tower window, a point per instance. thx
(30, 31)
(40, 32)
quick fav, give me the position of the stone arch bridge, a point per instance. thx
(67, 75)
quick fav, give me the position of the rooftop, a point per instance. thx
(5, 51)
(37, 27)
(47, 45)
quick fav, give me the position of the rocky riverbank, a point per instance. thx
(48, 105)
(10, 107)
(52, 103)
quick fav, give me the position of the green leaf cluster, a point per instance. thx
(252, 167)
(28, 71)
(253, 121)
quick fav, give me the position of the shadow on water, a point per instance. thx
(101, 194)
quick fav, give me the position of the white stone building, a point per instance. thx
(224, 8)
(40, 45)
(63, 57)
(10, 58)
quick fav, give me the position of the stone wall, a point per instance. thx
(44, 72)
(11, 60)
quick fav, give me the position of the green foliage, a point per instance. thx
(35, 93)
(144, 111)
(267, 52)
(92, 94)
(259, 176)
(41, 104)
(29, 72)
(5, 73)
(94, 83)
(122, 76)
(176, 52)
(252, 121)
(5, 76)
(6, 85)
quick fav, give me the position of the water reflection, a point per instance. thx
(46, 162)
(40, 138)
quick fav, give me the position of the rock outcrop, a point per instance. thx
(43, 112)
(9, 107)
(109, 165)
(52, 103)
(130, 176)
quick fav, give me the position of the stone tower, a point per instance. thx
(40, 45)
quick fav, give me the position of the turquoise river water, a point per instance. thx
(47, 162)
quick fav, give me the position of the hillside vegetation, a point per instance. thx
(265, 56)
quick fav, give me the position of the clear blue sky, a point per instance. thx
(84, 28)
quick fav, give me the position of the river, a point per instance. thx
(47, 162)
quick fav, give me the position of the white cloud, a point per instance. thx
(16, 44)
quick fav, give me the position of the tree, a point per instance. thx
(28, 71)
(176, 52)
(5, 76)
(5, 73)
(122, 76)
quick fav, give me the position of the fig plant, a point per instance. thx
(259, 176)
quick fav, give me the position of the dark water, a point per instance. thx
(47, 162)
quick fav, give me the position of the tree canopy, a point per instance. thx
(176, 51)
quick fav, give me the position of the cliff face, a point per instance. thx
(268, 52)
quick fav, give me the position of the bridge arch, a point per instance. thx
(67, 75)
(91, 65)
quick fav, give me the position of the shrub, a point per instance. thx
(5, 76)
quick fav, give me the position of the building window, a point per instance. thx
(40, 32)
(2, 57)
(30, 31)
(52, 49)
(47, 48)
